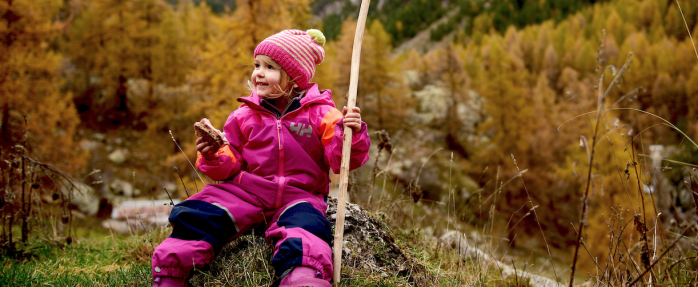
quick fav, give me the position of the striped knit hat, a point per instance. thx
(296, 51)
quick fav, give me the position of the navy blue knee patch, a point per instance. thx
(305, 216)
(200, 220)
(290, 254)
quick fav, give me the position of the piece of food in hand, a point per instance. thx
(211, 135)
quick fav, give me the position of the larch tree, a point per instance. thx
(326, 73)
(344, 46)
(381, 91)
(30, 84)
(692, 96)
(501, 83)
(550, 65)
(111, 42)
(163, 101)
(446, 66)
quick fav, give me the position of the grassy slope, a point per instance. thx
(96, 258)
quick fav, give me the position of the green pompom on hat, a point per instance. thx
(317, 36)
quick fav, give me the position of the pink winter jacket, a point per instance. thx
(270, 156)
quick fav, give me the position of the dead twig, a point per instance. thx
(168, 195)
(182, 180)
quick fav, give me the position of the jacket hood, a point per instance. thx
(312, 95)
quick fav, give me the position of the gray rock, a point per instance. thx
(98, 136)
(456, 241)
(334, 193)
(134, 216)
(89, 145)
(435, 100)
(78, 214)
(82, 196)
(121, 187)
(411, 78)
(128, 226)
(369, 248)
(148, 211)
(118, 156)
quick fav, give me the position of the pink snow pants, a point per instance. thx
(213, 217)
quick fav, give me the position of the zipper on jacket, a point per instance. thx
(278, 132)
(282, 179)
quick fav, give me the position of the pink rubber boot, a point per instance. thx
(169, 282)
(302, 276)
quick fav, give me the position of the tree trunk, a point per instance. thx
(11, 17)
(121, 94)
(4, 127)
(380, 110)
(694, 191)
(11, 205)
(121, 89)
(25, 226)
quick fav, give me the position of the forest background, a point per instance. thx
(472, 93)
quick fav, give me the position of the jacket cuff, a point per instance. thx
(356, 137)
(201, 161)
(215, 162)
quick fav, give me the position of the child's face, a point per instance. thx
(267, 77)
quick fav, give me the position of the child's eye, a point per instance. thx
(270, 67)
(256, 65)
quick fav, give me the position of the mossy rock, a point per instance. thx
(370, 255)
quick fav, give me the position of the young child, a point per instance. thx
(281, 143)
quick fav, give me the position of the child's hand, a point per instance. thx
(205, 150)
(352, 119)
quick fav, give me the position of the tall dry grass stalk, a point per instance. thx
(687, 29)
(646, 252)
(535, 216)
(185, 156)
(601, 99)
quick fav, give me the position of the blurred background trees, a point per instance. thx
(35, 111)
(108, 84)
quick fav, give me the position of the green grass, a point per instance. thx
(98, 258)
(52, 272)
(95, 258)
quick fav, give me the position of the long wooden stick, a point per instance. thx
(346, 146)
